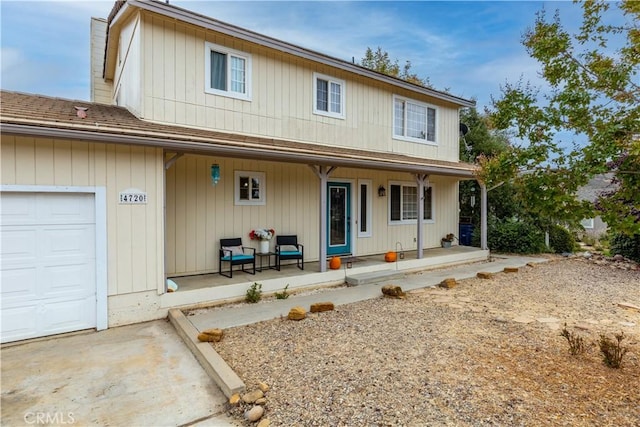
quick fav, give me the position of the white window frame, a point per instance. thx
(588, 223)
(404, 136)
(409, 221)
(261, 177)
(211, 47)
(368, 208)
(330, 80)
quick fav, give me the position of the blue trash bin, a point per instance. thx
(465, 232)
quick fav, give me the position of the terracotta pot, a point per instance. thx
(390, 256)
(335, 263)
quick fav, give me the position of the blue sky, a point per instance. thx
(469, 47)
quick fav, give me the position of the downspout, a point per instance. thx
(423, 181)
(323, 172)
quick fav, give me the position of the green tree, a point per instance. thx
(594, 95)
(379, 61)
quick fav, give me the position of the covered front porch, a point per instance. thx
(211, 289)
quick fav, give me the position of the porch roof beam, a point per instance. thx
(223, 149)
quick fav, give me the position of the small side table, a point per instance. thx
(261, 256)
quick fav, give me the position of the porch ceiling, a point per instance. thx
(36, 115)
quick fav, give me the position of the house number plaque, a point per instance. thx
(133, 196)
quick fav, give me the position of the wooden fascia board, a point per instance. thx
(266, 41)
(113, 38)
(210, 146)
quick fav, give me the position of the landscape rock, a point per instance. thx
(511, 269)
(261, 401)
(234, 399)
(254, 414)
(319, 307)
(618, 257)
(265, 422)
(448, 283)
(264, 387)
(629, 306)
(484, 275)
(252, 396)
(393, 291)
(210, 335)
(297, 313)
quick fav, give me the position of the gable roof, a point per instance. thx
(121, 8)
(37, 115)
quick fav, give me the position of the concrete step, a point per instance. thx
(373, 277)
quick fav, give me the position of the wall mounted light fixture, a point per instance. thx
(382, 191)
(215, 173)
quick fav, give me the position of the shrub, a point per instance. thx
(627, 246)
(512, 237)
(576, 342)
(284, 294)
(254, 293)
(612, 352)
(561, 240)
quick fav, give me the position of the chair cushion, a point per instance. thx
(290, 253)
(237, 257)
(288, 248)
(235, 250)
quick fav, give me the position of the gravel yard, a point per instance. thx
(487, 352)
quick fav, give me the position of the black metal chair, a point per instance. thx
(233, 252)
(287, 247)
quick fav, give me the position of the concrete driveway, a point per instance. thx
(137, 375)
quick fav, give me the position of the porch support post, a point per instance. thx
(323, 172)
(423, 181)
(483, 216)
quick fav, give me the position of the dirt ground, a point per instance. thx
(487, 352)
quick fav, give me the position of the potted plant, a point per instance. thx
(445, 242)
(264, 235)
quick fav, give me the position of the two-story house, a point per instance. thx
(199, 130)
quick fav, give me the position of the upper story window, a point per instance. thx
(403, 203)
(413, 121)
(328, 96)
(227, 72)
(250, 188)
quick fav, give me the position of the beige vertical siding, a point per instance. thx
(282, 96)
(134, 232)
(101, 91)
(199, 214)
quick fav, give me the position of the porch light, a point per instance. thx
(382, 191)
(215, 173)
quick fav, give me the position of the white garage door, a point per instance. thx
(48, 264)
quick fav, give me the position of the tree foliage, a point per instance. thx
(594, 94)
(380, 61)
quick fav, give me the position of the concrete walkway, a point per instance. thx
(189, 326)
(252, 313)
(136, 375)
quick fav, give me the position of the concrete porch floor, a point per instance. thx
(210, 289)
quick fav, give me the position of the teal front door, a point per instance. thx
(338, 218)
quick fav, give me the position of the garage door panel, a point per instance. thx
(69, 241)
(67, 280)
(66, 208)
(68, 315)
(18, 209)
(18, 285)
(19, 322)
(18, 245)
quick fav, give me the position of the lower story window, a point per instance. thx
(403, 203)
(250, 188)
